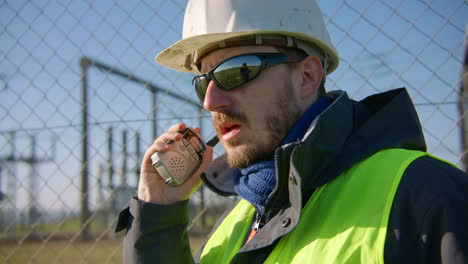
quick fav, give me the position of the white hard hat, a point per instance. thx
(215, 24)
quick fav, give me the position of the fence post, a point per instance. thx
(85, 235)
(123, 175)
(110, 170)
(10, 191)
(463, 105)
(33, 214)
(154, 114)
(110, 166)
(137, 157)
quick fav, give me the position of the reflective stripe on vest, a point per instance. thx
(345, 221)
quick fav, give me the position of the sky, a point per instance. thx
(382, 45)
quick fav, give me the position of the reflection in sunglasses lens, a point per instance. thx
(237, 71)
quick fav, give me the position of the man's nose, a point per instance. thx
(215, 98)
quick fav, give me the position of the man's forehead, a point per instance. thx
(213, 58)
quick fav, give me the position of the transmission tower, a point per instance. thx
(32, 161)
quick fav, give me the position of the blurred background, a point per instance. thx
(81, 98)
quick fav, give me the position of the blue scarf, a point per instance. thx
(256, 182)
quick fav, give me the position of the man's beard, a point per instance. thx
(260, 147)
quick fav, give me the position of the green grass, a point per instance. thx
(102, 251)
(69, 225)
(53, 244)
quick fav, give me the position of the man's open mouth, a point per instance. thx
(228, 128)
(229, 131)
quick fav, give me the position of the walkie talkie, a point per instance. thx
(178, 164)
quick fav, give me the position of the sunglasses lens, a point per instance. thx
(237, 71)
(201, 84)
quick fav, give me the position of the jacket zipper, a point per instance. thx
(275, 159)
(259, 219)
(259, 222)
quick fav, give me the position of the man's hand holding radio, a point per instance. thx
(152, 187)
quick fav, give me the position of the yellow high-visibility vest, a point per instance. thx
(345, 221)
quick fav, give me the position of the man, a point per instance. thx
(323, 178)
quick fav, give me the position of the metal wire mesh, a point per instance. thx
(53, 51)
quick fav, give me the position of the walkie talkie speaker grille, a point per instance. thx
(177, 167)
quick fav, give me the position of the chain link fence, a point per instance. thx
(81, 98)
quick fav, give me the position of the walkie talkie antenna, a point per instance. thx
(213, 141)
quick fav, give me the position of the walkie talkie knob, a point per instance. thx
(157, 163)
(168, 181)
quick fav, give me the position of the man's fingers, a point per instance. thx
(177, 127)
(169, 135)
(207, 158)
(163, 142)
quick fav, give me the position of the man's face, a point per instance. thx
(252, 120)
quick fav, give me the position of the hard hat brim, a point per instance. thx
(179, 55)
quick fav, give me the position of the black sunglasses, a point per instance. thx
(239, 70)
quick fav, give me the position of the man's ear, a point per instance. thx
(311, 71)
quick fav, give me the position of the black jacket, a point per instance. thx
(429, 218)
